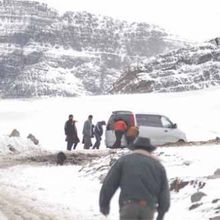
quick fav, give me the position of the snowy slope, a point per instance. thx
(190, 68)
(43, 53)
(196, 113)
(71, 192)
(11, 145)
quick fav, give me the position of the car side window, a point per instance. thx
(148, 120)
(166, 122)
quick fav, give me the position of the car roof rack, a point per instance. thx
(122, 112)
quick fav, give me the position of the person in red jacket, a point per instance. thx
(120, 128)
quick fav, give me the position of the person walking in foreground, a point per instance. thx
(143, 182)
(88, 132)
(120, 128)
(98, 131)
(71, 133)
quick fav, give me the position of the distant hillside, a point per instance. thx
(184, 69)
(42, 53)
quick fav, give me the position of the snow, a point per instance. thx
(19, 144)
(47, 191)
(196, 113)
(69, 52)
(70, 194)
(55, 186)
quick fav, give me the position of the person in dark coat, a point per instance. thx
(143, 182)
(98, 132)
(71, 133)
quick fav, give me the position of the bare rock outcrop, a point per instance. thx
(15, 133)
(185, 69)
(33, 139)
(42, 51)
(197, 196)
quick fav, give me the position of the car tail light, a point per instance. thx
(132, 120)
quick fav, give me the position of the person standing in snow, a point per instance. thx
(131, 134)
(88, 132)
(98, 132)
(120, 128)
(71, 133)
(143, 182)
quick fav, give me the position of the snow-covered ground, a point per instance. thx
(196, 113)
(46, 191)
(34, 191)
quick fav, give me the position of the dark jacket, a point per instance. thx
(99, 129)
(139, 177)
(71, 131)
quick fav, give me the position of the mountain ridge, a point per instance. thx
(47, 54)
(189, 68)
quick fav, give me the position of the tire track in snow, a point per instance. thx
(16, 207)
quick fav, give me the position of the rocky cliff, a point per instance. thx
(43, 53)
(189, 68)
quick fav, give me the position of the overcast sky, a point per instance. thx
(196, 20)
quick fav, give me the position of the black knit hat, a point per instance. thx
(142, 143)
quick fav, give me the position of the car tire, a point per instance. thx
(181, 141)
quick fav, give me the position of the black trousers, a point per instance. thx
(118, 136)
(70, 144)
(98, 142)
(130, 140)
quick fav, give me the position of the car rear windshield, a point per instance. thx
(148, 120)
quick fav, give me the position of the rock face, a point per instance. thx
(42, 53)
(197, 196)
(184, 69)
(15, 133)
(33, 139)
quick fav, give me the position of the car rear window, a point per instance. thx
(148, 120)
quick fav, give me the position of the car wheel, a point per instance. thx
(181, 141)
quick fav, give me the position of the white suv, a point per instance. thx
(158, 128)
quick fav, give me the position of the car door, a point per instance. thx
(150, 126)
(169, 129)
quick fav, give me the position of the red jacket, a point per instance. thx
(120, 125)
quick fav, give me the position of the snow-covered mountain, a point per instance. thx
(43, 53)
(189, 68)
